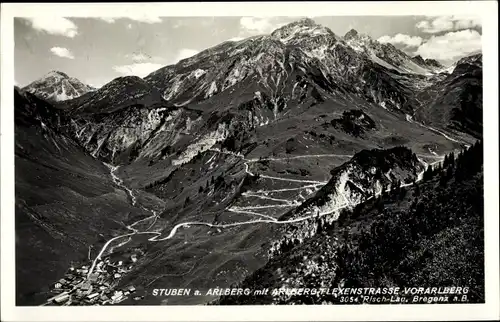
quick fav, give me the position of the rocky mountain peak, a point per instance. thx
(58, 86)
(125, 81)
(418, 59)
(358, 41)
(476, 58)
(120, 93)
(351, 34)
(305, 22)
(301, 23)
(433, 63)
(305, 27)
(56, 74)
(430, 63)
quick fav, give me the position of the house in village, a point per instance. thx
(93, 277)
(92, 296)
(117, 296)
(86, 288)
(61, 298)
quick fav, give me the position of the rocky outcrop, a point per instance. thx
(368, 174)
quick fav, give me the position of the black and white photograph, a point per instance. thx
(233, 160)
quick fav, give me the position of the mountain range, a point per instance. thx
(270, 129)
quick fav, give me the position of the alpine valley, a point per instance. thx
(231, 168)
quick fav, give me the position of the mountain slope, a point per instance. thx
(428, 235)
(65, 200)
(58, 86)
(241, 86)
(387, 55)
(109, 121)
(115, 95)
(366, 175)
(301, 49)
(429, 63)
(455, 102)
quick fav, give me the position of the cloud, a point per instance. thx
(448, 23)
(54, 25)
(139, 57)
(178, 22)
(62, 52)
(137, 69)
(146, 19)
(151, 19)
(260, 25)
(108, 19)
(98, 82)
(451, 46)
(401, 39)
(143, 66)
(186, 53)
(236, 38)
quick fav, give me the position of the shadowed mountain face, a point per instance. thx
(456, 102)
(66, 200)
(429, 63)
(231, 150)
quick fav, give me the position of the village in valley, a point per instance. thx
(78, 287)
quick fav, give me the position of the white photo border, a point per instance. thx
(487, 10)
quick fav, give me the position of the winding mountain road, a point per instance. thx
(246, 210)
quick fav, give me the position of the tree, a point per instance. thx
(320, 227)
(380, 204)
(344, 213)
(402, 193)
(397, 186)
(451, 160)
(428, 173)
(443, 178)
(417, 189)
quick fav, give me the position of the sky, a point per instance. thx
(97, 50)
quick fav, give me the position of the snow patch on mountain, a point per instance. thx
(381, 62)
(211, 90)
(198, 73)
